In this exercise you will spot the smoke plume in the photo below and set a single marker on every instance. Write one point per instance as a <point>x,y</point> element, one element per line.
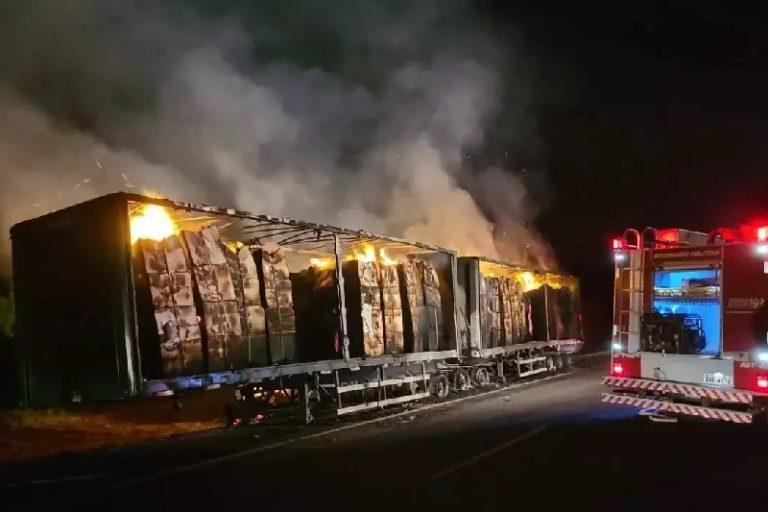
<point>364,119</point>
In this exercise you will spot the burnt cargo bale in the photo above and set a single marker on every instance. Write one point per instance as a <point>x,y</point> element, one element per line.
<point>255,330</point>
<point>315,303</point>
<point>171,341</point>
<point>278,300</point>
<point>490,312</point>
<point>415,327</point>
<point>394,342</point>
<point>225,347</point>
<point>365,320</point>
<point>433,302</point>
<point>513,312</point>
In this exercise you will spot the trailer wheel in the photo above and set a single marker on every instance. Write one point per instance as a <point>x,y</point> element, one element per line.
<point>461,380</point>
<point>440,386</point>
<point>482,377</point>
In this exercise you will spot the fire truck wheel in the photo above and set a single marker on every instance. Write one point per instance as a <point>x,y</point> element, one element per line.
<point>440,386</point>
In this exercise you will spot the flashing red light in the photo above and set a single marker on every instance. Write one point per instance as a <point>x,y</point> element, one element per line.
<point>762,234</point>
<point>617,244</point>
<point>618,369</point>
<point>762,382</point>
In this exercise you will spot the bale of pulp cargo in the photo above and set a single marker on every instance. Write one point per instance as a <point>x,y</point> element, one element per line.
<point>421,298</point>
<point>415,326</point>
<point>253,309</point>
<point>490,313</point>
<point>433,302</point>
<point>278,299</point>
<point>394,341</point>
<point>513,307</point>
<point>365,317</point>
<point>166,308</point>
<point>218,301</point>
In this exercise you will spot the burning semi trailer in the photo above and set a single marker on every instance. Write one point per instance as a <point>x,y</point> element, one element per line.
<point>127,295</point>
<point>525,321</point>
<point>154,296</point>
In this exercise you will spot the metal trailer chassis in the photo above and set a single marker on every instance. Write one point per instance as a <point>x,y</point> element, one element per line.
<point>525,359</point>
<point>352,385</point>
<point>365,384</point>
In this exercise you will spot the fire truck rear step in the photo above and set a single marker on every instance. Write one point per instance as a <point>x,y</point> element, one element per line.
<point>691,391</point>
<point>677,408</point>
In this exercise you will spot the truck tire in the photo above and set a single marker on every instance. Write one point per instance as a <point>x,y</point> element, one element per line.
<point>461,380</point>
<point>440,386</point>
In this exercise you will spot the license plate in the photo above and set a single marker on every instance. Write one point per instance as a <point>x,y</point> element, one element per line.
<point>718,379</point>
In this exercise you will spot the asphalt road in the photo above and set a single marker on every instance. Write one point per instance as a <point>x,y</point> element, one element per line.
<point>551,445</point>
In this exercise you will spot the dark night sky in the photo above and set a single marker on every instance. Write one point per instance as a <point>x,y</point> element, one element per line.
<point>666,124</point>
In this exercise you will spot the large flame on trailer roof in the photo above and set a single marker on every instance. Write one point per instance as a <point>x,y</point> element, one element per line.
<point>152,222</point>
<point>367,252</point>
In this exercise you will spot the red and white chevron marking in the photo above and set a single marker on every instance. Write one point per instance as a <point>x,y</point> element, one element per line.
<point>691,410</point>
<point>687,390</point>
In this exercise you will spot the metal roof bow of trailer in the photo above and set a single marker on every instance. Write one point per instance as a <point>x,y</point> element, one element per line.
<point>97,233</point>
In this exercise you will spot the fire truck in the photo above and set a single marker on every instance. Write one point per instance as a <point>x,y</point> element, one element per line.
<point>690,330</point>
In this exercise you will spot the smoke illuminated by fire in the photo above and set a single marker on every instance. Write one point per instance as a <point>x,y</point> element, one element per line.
<point>224,114</point>
<point>152,222</point>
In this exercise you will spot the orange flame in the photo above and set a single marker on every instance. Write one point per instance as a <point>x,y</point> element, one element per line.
<point>153,222</point>
<point>385,259</point>
<point>367,252</point>
<point>322,263</point>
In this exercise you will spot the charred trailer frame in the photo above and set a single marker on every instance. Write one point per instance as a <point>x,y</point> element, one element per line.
<point>230,298</point>
<point>519,321</point>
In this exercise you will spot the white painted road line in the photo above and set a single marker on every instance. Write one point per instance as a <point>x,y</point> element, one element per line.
<point>482,455</point>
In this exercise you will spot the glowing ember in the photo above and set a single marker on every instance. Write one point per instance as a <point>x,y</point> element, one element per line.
<point>152,222</point>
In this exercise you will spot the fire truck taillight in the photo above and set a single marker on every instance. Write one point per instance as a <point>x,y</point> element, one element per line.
<point>619,246</point>
<point>762,382</point>
<point>762,234</point>
<point>618,369</point>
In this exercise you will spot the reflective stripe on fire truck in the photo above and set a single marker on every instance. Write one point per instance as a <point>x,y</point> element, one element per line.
<point>671,407</point>
<point>688,390</point>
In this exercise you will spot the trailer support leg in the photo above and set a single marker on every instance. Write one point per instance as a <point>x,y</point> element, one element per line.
<point>305,401</point>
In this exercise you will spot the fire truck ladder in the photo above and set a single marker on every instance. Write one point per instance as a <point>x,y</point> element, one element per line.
<point>630,301</point>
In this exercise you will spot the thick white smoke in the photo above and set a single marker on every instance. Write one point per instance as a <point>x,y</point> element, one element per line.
<point>271,136</point>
